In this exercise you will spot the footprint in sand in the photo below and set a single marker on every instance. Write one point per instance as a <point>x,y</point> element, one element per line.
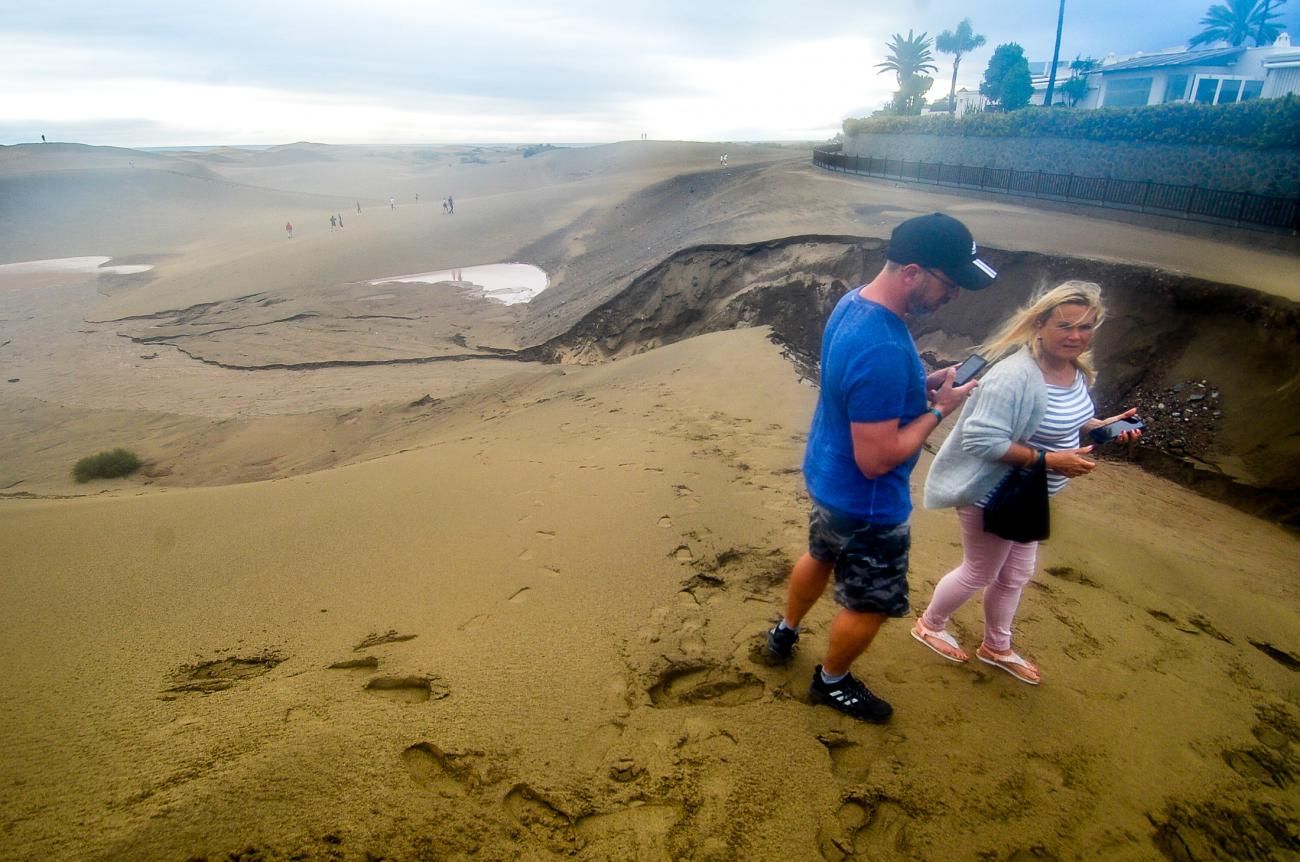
<point>639,831</point>
<point>687,496</point>
<point>408,689</point>
<point>526,555</point>
<point>367,663</point>
<point>665,521</point>
<point>429,768</point>
<point>849,760</point>
<point>375,639</point>
<point>545,534</point>
<point>1288,660</point>
<point>449,773</point>
<point>519,595</point>
<point>548,571</point>
<point>837,840</point>
<point>545,820</point>
<point>682,554</point>
<point>700,681</point>
<point>1074,576</point>
<point>1173,621</point>
<point>221,674</point>
<point>474,623</point>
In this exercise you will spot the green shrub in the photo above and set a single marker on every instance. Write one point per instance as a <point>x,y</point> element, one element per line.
<point>1261,124</point>
<point>106,465</point>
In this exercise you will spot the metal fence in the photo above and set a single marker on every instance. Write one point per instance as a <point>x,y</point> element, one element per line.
<point>1190,202</point>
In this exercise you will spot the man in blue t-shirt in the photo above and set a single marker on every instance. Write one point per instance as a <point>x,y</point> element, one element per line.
<point>875,411</point>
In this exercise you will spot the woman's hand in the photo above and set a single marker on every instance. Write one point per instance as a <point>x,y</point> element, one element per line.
<point>1125,437</point>
<point>1070,462</point>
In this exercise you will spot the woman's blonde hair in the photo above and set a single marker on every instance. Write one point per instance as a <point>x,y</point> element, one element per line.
<point>1021,330</point>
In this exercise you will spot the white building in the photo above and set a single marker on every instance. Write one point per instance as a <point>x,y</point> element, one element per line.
<point>1211,76</point>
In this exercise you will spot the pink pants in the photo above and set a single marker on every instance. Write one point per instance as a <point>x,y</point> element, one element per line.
<point>998,566</point>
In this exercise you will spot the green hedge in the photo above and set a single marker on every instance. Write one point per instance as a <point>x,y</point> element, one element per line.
<point>1262,124</point>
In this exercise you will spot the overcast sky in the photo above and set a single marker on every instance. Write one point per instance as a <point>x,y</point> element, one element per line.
<point>382,71</point>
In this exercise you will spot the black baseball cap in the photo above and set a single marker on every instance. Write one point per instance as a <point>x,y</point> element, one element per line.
<point>941,242</point>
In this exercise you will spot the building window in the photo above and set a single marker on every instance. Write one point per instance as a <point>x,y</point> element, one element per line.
<point>1176,88</point>
<point>1225,91</point>
<point>1128,91</point>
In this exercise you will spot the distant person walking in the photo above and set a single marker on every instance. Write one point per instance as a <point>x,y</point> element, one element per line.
<point>340,221</point>
<point>444,206</point>
<point>358,206</point>
<point>417,197</point>
<point>288,229</point>
<point>42,139</point>
<point>451,206</point>
<point>392,203</point>
<point>333,222</point>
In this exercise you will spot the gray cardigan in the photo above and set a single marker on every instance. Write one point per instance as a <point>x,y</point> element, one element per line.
<point>1006,407</point>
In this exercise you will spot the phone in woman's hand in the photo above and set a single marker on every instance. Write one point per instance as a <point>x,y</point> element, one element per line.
<point>1107,433</point>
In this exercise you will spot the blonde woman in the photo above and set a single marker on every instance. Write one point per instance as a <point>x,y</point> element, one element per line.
<point>1031,405</point>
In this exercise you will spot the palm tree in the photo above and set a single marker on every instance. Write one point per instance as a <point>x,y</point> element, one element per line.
<point>963,41</point>
<point>908,58</point>
<point>1238,21</point>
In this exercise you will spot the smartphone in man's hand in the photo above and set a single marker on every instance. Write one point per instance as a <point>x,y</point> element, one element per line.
<point>969,367</point>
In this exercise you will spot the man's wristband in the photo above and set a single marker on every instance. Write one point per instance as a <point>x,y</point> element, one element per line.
<point>938,414</point>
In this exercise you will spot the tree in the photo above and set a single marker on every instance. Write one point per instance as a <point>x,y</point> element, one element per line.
<point>907,59</point>
<point>1006,80</point>
<point>1077,87</point>
<point>910,98</point>
<point>1238,21</point>
<point>961,41</point>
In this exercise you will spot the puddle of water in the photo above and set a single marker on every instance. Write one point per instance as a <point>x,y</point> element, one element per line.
<point>507,283</point>
<point>71,264</point>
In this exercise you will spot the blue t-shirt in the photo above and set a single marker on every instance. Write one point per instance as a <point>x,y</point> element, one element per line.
<point>870,372</point>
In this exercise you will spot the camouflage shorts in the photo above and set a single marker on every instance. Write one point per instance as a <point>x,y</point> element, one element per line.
<point>870,560</point>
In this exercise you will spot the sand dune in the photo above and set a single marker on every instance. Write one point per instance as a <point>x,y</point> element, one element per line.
<point>493,607</point>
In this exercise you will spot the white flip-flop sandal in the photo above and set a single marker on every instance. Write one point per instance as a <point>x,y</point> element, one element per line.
<point>1009,663</point>
<point>921,633</point>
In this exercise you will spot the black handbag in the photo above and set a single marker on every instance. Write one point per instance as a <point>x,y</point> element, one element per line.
<point>1018,509</point>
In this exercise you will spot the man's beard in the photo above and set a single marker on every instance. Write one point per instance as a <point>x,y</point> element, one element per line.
<point>917,308</point>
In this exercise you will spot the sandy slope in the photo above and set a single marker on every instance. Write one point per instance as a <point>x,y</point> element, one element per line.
<point>584,611</point>
<point>561,572</point>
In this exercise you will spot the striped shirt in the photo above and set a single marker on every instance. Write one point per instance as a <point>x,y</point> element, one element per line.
<point>1068,407</point>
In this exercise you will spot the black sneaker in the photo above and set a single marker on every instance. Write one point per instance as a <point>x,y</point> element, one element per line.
<point>850,697</point>
<point>780,642</point>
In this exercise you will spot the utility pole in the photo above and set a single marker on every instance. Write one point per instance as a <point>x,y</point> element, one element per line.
<point>1056,54</point>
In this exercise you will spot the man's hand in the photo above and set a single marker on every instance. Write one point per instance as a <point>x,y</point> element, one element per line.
<point>945,396</point>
